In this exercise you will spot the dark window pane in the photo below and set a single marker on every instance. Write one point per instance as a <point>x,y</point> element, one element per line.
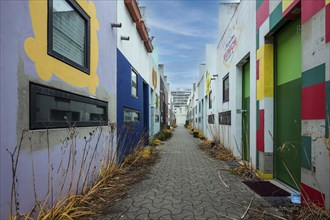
<point>225,118</point>
<point>225,89</point>
<point>134,84</point>
<point>54,108</point>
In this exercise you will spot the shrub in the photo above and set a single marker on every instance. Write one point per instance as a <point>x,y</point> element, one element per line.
<point>163,135</point>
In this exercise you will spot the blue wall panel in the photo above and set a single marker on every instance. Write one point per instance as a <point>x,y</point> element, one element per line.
<point>128,137</point>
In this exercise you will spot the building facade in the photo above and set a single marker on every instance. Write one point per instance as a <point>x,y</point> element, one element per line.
<point>180,98</point>
<point>133,76</point>
<point>164,91</point>
<point>75,77</point>
<point>58,89</point>
<point>267,91</point>
<point>293,70</point>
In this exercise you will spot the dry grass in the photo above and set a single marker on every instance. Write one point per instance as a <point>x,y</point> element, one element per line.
<point>218,152</point>
<point>223,153</point>
<point>155,142</point>
<point>312,211</point>
<point>95,188</point>
<point>309,209</point>
<point>112,185</point>
<point>201,135</point>
<point>245,171</point>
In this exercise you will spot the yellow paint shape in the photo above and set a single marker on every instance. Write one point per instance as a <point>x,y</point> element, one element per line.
<point>208,83</point>
<point>286,4</point>
<point>265,83</point>
<point>46,66</point>
<point>154,78</point>
<point>264,176</point>
<point>327,2</point>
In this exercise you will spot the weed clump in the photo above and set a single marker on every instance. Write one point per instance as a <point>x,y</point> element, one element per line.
<point>163,135</point>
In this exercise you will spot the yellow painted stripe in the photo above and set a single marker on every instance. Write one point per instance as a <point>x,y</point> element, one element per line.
<point>265,84</point>
<point>264,176</point>
<point>286,4</point>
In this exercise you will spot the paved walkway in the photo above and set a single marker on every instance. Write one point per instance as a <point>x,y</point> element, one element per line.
<point>185,184</point>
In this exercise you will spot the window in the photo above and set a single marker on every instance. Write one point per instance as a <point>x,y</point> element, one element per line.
<point>210,100</point>
<point>225,118</point>
<point>211,119</point>
<point>156,118</point>
<point>52,108</point>
<point>131,115</point>
<point>134,87</point>
<point>69,33</point>
<point>156,101</point>
<point>225,91</point>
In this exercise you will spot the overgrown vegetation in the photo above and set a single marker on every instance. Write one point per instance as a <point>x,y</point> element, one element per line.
<point>90,183</point>
<point>163,135</point>
<point>216,148</point>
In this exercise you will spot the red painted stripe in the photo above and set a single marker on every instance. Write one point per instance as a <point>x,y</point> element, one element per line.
<point>310,8</point>
<point>257,69</point>
<point>262,13</point>
<point>260,132</point>
<point>327,23</point>
<point>287,11</point>
<point>313,102</point>
<point>311,195</point>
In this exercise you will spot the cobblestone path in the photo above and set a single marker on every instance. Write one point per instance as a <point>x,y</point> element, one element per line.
<point>185,184</point>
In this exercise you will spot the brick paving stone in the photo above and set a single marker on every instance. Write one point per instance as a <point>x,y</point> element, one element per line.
<point>185,184</point>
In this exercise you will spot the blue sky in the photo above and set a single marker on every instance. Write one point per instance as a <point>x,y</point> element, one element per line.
<point>181,29</point>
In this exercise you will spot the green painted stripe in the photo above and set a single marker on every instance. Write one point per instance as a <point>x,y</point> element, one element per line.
<point>257,38</point>
<point>275,16</point>
<point>289,54</point>
<point>306,152</point>
<point>259,2</point>
<point>246,78</point>
<point>258,106</point>
<point>257,166</point>
<point>313,76</point>
<point>327,99</point>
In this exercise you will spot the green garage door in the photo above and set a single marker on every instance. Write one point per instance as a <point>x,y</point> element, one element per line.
<point>288,104</point>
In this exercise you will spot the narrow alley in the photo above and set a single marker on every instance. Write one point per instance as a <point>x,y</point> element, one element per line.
<point>164,109</point>
<point>185,184</point>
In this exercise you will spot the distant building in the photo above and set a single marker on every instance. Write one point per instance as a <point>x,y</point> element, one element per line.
<point>180,97</point>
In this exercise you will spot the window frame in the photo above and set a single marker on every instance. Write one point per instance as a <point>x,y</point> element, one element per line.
<point>137,86</point>
<point>224,97</point>
<point>56,55</point>
<point>57,93</point>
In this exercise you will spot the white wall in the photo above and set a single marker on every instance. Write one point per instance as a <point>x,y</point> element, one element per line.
<point>154,127</point>
<point>242,28</point>
<point>134,49</point>
<point>211,68</point>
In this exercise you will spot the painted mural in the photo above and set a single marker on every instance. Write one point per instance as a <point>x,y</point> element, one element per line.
<point>46,65</point>
<point>230,44</point>
<point>208,83</point>
<point>296,95</point>
<point>154,78</point>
